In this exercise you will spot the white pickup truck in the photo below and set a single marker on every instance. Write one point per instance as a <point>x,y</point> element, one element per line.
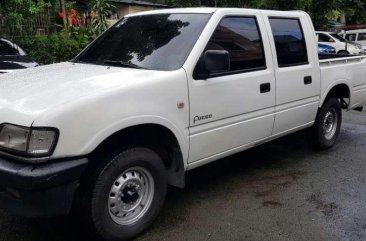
<point>158,94</point>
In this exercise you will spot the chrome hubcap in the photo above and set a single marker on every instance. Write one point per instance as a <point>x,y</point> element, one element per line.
<point>330,124</point>
<point>131,195</point>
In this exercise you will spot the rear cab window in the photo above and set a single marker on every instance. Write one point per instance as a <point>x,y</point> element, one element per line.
<point>289,41</point>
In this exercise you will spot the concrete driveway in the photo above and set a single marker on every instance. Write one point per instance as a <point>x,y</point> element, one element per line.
<point>283,190</point>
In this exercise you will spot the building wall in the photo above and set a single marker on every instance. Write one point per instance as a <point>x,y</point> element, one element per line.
<point>135,8</point>
<point>123,10</point>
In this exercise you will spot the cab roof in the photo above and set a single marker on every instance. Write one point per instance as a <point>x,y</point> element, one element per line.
<point>206,10</point>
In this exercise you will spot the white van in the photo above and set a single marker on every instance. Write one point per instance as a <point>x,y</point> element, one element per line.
<point>357,36</point>
<point>341,45</point>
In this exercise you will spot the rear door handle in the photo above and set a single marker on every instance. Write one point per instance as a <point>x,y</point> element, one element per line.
<point>266,87</point>
<point>308,80</point>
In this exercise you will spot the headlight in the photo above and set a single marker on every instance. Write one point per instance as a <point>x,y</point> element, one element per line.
<point>37,142</point>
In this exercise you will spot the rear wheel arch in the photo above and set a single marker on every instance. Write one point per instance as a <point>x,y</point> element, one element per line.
<point>340,91</point>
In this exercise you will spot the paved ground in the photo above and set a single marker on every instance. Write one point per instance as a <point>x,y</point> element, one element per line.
<point>283,190</point>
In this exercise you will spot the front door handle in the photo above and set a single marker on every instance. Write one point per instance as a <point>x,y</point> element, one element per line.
<point>266,87</point>
<point>308,80</point>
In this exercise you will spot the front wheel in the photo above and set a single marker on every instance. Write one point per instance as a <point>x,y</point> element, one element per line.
<point>327,126</point>
<point>127,194</point>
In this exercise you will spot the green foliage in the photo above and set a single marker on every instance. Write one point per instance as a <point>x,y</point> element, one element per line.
<point>183,3</point>
<point>52,48</point>
<point>18,12</point>
<point>241,3</point>
<point>288,4</point>
<point>321,10</point>
<point>69,42</point>
<point>83,35</point>
<point>38,6</point>
<point>270,4</point>
<point>102,9</point>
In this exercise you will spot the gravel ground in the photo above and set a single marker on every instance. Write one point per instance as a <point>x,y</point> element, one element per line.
<point>283,190</point>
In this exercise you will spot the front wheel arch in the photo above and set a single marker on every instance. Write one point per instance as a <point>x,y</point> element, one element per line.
<point>156,137</point>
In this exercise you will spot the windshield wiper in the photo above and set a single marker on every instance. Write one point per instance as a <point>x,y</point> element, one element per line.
<point>122,64</point>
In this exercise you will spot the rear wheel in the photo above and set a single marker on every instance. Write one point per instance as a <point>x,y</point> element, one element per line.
<point>327,126</point>
<point>127,194</point>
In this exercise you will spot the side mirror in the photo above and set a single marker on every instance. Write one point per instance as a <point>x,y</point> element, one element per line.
<point>216,61</point>
<point>331,40</point>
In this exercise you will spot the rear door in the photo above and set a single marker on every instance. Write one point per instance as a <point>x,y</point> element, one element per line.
<point>297,71</point>
<point>234,108</point>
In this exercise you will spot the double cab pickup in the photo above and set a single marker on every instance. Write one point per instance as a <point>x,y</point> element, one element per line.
<point>158,94</point>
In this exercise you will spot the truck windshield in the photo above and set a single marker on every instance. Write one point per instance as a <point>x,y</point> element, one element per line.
<point>156,42</point>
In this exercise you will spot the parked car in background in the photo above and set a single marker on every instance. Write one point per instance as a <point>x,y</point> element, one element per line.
<point>341,45</point>
<point>13,57</point>
<point>326,49</point>
<point>358,36</point>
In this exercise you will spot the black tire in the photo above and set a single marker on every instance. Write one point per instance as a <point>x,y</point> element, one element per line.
<point>97,214</point>
<point>343,52</point>
<point>323,137</point>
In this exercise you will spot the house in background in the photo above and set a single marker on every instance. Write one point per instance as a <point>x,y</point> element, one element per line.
<point>124,7</point>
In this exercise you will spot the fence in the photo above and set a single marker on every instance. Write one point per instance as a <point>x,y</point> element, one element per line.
<point>41,23</point>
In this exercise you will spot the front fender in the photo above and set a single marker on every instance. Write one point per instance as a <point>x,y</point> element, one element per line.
<point>103,134</point>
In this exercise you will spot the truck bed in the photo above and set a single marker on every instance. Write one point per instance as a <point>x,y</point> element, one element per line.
<point>344,69</point>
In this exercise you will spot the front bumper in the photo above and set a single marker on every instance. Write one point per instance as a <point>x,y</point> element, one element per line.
<point>39,190</point>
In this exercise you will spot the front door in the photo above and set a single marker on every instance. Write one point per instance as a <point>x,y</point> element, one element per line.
<point>233,108</point>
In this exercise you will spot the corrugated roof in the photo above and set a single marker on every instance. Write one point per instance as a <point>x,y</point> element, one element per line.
<point>140,3</point>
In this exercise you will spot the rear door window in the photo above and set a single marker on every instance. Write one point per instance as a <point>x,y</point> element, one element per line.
<point>289,41</point>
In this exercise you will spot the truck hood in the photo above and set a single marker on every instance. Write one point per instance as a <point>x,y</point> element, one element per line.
<point>26,94</point>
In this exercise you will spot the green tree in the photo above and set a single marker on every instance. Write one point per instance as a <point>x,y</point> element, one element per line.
<point>183,3</point>
<point>102,9</point>
<point>17,13</point>
<point>354,11</point>
<point>288,4</point>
